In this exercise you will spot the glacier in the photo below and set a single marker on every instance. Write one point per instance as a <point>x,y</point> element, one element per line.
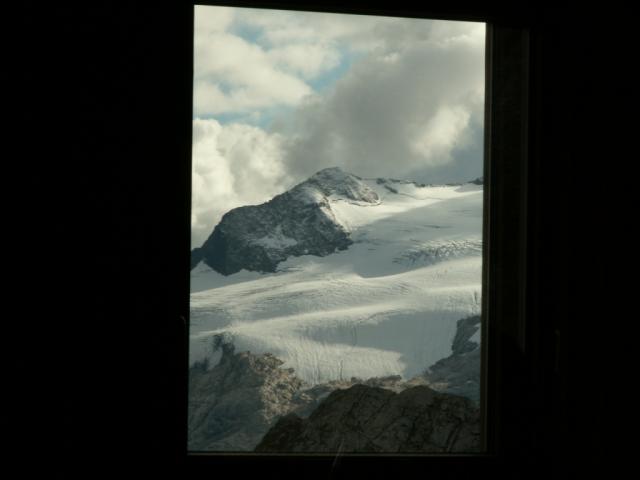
<point>386,305</point>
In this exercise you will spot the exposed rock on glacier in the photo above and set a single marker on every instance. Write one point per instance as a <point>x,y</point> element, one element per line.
<point>459,373</point>
<point>297,222</point>
<point>465,332</point>
<point>372,419</point>
<point>232,405</point>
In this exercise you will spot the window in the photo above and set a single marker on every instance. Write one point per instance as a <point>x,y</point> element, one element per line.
<point>358,274</point>
<point>126,71</point>
<point>504,331</point>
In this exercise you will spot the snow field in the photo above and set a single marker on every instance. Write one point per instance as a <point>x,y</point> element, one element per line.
<point>387,305</point>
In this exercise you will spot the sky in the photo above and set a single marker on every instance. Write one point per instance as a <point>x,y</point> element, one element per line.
<point>280,95</point>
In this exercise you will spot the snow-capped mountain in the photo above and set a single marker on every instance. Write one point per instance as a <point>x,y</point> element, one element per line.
<point>298,222</point>
<point>342,276</point>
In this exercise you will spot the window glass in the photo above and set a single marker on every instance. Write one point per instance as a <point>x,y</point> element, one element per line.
<point>337,210</point>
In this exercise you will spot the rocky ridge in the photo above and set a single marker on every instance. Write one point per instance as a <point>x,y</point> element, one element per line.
<point>297,222</point>
<point>369,419</point>
<point>436,412</point>
<point>233,405</point>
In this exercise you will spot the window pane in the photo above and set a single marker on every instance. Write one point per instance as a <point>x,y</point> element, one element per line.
<point>336,233</point>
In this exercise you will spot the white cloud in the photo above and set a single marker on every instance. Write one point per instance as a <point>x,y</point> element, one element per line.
<point>233,75</point>
<point>307,60</point>
<point>208,20</point>
<point>410,106</point>
<point>436,138</point>
<point>404,109</point>
<point>353,32</point>
<point>281,27</point>
<point>233,165</point>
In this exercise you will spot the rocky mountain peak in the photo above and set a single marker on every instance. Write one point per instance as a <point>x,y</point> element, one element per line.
<point>297,222</point>
<point>336,182</point>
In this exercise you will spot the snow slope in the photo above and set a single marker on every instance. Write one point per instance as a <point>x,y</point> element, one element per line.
<point>387,305</point>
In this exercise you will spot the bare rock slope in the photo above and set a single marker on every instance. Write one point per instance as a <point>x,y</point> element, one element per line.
<point>233,404</point>
<point>459,373</point>
<point>249,400</point>
<point>371,419</point>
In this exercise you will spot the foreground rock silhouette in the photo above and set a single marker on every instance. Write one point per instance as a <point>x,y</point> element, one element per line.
<point>371,419</point>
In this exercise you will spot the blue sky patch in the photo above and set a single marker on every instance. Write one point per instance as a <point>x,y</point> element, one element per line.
<point>248,32</point>
<point>325,81</point>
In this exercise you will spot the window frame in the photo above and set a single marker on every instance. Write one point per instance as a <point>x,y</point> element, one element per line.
<point>506,344</point>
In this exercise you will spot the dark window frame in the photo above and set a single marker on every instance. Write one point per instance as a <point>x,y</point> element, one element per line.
<point>111,165</point>
<point>506,345</point>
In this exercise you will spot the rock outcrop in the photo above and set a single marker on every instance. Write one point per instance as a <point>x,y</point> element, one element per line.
<point>309,398</point>
<point>297,222</point>
<point>249,400</point>
<point>372,419</point>
<point>459,373</point>
<point>233,404</point>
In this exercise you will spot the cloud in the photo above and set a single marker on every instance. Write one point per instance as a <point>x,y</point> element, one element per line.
<point>408,108</point>
<point>248,59</point>
<point>306,60</point>
<point>233,75</point>
<point>437,138</point>
<point>208,20</point>
<point>411,105</point>
<point>233,165</point>
<point>278,27</point>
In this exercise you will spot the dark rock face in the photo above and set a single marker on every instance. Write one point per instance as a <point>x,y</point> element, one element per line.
<point>196,256</point>
<point>232,405</point>
<point>309,398</point>
<point>388,182</point>
<point>465,329</point>
<point>459,373</point>
<point>371,419</point>
<point>297,222</point>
